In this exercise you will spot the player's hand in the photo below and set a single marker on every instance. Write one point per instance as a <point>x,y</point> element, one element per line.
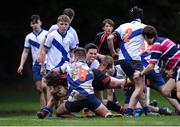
<point>19,71</point>
<point>41,115</point>
<point>43,70</point>
<point>169,73</point>
<point>56,69</point>
<point>44,112</point>
<point>39,58</point>
<point>137,74</point>
<point>115,56</point>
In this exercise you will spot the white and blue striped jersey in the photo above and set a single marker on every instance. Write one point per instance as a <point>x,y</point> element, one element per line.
<point>32,41</point>
<point>130,40</point>
<point>94,65</point>
<point>70,30</point>
<point>79,77</point>
<point>58,46</point>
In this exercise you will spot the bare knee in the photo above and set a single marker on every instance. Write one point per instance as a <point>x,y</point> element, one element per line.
<point>39,88</point>
<point>138,91</point>
<point>61,110</point>
<point>103,111</point>
<point>166,92</point>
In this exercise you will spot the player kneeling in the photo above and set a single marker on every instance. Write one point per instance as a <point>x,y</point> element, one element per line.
<point>58,88</point>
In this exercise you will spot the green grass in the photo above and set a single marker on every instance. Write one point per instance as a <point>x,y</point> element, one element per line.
<point>121,121</point>
<point>19,108</point>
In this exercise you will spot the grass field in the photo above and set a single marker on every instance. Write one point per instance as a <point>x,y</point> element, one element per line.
<point>18,109</point>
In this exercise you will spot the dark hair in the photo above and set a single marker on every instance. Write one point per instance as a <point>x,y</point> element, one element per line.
<point>34,18</point>
<point>149,32</point>
<point>136,13</point>
<point>109,21</point>
<point>90,46</point>
<point>69,12</point>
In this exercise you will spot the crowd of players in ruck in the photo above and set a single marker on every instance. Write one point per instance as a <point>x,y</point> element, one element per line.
<point>71,79</point>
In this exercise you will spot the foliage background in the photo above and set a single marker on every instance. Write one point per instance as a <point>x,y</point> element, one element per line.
<point>15,16</point>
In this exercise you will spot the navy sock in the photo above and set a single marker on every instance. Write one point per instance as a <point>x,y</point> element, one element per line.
<point>174,95</point>
<point>146,110</point>
<point>114,97</point>
<point>138,112</point>
<point>128,111</point>
<point>114,107</point>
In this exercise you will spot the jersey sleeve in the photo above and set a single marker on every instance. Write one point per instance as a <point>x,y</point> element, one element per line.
<point>76,38</point>
<point>48,41</point>
<point>73,44</point>
<point>52,28</point>
<point>101,80</point>
<point>26,42</point>
<point>117,36</point>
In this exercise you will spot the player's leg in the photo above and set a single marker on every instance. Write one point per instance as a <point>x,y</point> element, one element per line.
<point>96,105</point>
<point>129,68</point>
<point>168,87</point>
<point>136,96</point>
<point>102,111</point>
<point>41,94</point>
<point>37,77</point>
<point>109,93</point>
<point>62,111</point>
<point>177,78</point>
<point>46,90</point>
<point>111,105</point>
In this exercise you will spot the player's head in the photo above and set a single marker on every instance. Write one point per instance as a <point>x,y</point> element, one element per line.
<point>69,12</point>
<point>109,21</point>
<point>90,46</point>
<point>136,13</point>
<point>149,33</point>
<point>63,22</point>
<point>63,18</point>
<point>35,18</point>
<point>91,52</point>
<point>79,54</point>
<point>35,22</point>
<point>108,64</point>
<point>108,25</point>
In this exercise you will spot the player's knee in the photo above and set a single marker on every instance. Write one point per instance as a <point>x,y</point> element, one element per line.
<point>103,111</point>
<point>105,102</point>
<point>44,88</point>
<point>39,89</point>
<point>61,110</point>
<point>166,92</point>
<point>138,91</point>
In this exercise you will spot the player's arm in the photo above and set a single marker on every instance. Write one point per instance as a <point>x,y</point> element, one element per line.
<point>117,83</point>
<point>23,60</point>
<point>149,68</point>
<point>100,56</point>
<point>155,56</point>
<point>43,54</point>
<point>40,56</point>
<point>110,39</point>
